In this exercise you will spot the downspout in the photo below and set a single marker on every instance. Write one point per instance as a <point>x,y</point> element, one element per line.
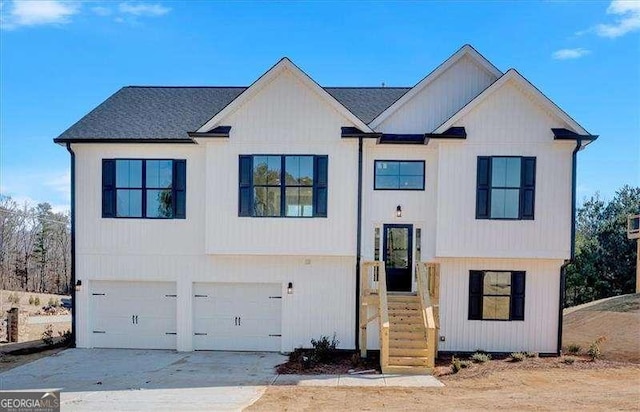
<point>563,268</point>
<point>73,246</point>
<point>358,243</point>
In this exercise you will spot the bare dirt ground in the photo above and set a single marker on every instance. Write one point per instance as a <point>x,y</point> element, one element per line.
<point>534,384</point>
<point>570,387</point>
<point>617,319</point>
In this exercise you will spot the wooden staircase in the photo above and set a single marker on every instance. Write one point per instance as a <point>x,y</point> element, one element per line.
<point>408,323</point>
<point>408,351</point>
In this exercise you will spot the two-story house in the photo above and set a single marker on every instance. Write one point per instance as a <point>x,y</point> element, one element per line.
<point>239,218</point>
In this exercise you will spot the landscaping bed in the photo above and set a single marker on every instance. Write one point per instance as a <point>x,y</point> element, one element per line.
<point>301,361</point>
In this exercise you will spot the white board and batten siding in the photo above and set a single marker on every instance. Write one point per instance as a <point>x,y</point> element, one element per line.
<point>439,99</point>
<point>538,331</point>
<point>508,123</point>
<point>284,117</point>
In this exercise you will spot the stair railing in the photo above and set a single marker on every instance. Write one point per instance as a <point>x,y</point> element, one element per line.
<point>428,276</point>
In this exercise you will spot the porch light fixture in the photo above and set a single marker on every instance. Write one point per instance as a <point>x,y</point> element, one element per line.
<point>290,288</point>
<point>78,285</point>
<point>399,211</point>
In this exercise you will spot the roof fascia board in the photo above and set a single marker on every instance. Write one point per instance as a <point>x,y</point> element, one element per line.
<point>266,78</point>
<point>121,140</point>
<point>444,66</point>
<point>512,74</point>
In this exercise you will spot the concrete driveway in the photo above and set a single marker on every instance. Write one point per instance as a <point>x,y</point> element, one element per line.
<point>123,379</point>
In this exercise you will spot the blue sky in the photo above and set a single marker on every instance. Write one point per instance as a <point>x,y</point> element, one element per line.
<point>58,60</point>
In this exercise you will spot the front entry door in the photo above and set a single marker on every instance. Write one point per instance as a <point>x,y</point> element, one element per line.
<point>397,246</point>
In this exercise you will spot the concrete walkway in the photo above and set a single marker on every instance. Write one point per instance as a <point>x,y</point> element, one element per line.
<point>124,379</point>
<point>422,381</point>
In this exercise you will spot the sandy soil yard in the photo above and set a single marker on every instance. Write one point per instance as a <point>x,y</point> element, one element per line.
<point>535,384</point>
<point>571,388</point>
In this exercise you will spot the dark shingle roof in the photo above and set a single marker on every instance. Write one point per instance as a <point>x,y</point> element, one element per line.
<point>168,113</point>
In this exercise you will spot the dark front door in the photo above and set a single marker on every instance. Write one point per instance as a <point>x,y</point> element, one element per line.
<point>397,246</point>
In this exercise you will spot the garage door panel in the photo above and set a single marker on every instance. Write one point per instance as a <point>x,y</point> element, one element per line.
<point>237,316</point>
<point>133,314</point>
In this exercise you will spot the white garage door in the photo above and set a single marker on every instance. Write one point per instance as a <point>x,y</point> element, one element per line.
<point>133,314</point>
<point>237,316</point>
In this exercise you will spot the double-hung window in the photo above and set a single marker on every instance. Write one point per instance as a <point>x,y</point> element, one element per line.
<point>398,175</point>
<point>144,188</point>
<point>283,186</point>
<point>505,187</point>
<point>496,295</point>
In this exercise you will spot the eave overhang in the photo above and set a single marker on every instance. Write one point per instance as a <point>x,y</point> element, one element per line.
<point>355,133</point>
<point>219,132</point>
<point>566,134</point>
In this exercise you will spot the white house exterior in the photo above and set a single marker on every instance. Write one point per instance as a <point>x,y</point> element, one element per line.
<point>472,168</point>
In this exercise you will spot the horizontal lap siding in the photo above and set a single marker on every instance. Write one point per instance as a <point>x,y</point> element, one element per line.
<point>538,332</point>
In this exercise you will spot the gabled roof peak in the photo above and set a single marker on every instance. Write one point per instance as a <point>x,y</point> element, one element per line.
<point>465,50</point>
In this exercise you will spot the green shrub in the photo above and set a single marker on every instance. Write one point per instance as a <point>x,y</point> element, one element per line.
<point>594,350</point>
<point>47,335</point>
<point>323,348</point>
<point>66,337</point>
<point>574,349</point>
<point>30,300</point>
<point>569,360</point>
<point>457,364</point>
<point>13,298</point>
<point>480,357</point>
<point>36,301</point>
<point>531,354</point>
<point>518,356</point>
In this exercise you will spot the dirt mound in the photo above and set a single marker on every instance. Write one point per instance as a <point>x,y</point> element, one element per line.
<point>618,319</point>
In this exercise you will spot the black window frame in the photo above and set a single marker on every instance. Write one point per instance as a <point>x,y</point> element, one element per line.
<point>375,174</point>
<point>110,190</point>
<point>517,295</point>
<point>527,187</point>
<point>319,188</point>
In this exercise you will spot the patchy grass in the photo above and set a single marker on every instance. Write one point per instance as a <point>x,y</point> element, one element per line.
<point>623,304</point>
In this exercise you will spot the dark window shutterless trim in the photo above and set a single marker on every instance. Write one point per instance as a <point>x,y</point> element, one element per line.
<point>375,174</point>
<point>516,295</point>
<point>319,187</point>
<point>110,189</point>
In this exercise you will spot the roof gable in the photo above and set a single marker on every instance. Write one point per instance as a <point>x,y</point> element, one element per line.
<point>465,50</point>
<point>283,65</point>
<point>526,86</point>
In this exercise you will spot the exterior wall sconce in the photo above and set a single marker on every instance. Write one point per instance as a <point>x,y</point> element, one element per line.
<point>399,211</point>
<point>78,286</point>
<point>290,288</point>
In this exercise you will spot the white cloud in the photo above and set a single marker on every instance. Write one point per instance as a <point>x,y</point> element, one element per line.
<point>143,9</point>
<point>627,14</point>
<point>36,13</point>
<point>566,54</point>
<point>101,11</point>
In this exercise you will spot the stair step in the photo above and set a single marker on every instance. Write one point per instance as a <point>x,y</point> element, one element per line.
<point>408,361</point>
<point>407,343</point>
<point>407,327</point>
<point>407,370</point>
<point>410,352</point>
<point>407,335</point>
<point>417,320</point>
<point>405,299</point>
<point>405,311</point>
